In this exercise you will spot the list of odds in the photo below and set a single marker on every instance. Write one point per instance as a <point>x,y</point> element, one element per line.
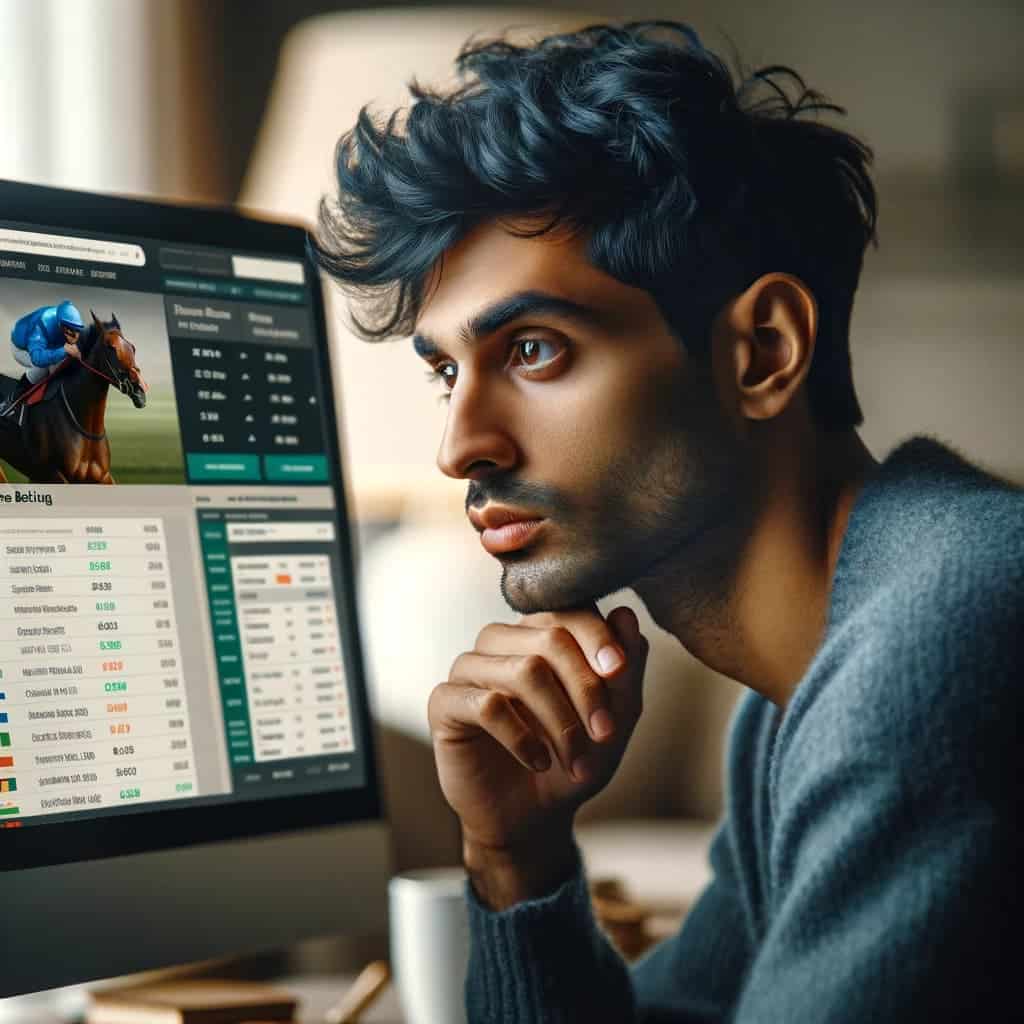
<point>291,648</point>
<point>92,704</point>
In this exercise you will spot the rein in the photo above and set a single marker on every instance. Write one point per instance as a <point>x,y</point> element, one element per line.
<point>78,426</point>
<point>100,373</point>
<point>88,435</point>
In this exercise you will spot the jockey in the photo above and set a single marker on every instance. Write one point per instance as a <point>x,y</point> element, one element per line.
<point>40,340</point>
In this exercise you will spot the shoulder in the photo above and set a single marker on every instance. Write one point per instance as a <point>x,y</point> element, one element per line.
<point>43,319</point>
<point>926,674</point>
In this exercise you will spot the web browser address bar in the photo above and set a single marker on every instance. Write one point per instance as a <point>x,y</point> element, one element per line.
<point>96,250</point>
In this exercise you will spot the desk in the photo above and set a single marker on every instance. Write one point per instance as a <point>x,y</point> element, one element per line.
<point>318,992</point>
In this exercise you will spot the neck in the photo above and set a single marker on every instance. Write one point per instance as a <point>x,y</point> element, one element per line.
<point>87,394</point>
<point>756,608</point>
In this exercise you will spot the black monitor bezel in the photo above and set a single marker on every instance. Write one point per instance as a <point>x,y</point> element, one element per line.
<point>41,845</point>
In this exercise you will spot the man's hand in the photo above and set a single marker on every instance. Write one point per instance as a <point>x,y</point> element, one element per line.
<point>528,726</point>
<point>71,349</point>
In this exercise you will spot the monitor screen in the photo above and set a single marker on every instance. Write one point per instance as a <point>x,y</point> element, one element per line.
<point>179,655</point>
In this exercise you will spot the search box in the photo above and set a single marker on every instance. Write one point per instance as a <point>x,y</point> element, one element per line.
<point>260,533</point>
<point>95,250</point>
<point>268,270</point>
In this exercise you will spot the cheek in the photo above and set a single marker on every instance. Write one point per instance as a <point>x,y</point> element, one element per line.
<point>578,434</point>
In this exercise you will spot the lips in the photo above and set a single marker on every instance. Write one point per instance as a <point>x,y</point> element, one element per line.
<point>503,528</point>
<point>511,536</point>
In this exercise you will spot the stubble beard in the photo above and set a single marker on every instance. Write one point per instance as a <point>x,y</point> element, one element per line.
<point>642,526</point>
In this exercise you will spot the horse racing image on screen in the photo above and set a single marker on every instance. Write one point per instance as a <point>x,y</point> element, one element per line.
<point>86,388</point>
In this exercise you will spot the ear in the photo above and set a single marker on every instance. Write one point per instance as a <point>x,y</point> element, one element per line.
<point>113,320</point>
<point>763,345</point>
<point>96,320</point>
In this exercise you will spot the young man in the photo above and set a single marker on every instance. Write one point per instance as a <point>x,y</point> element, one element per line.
<point>656,393</point>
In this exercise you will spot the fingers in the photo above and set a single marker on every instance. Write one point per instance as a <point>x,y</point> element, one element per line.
<point>563,645</point>
<point>540,684</point>
<point>539,699</point>
<point>456,707</point>
<point>595,637</point>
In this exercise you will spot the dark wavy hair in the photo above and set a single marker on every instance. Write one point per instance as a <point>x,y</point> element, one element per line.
<point>687,185</point>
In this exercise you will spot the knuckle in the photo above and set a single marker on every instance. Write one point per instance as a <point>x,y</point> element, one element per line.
<point>481,637</point>
<point>591,690</point>
<point>532,670</point>
<point>558,639</point>
<point>493,707</point>
<point>458,664</point>
<point>437,697</point>
<point>435,705</point>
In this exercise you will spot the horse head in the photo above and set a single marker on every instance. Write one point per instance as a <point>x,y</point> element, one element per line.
<point>114,356</point>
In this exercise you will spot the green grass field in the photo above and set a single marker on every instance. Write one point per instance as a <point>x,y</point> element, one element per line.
<point>145,446</point>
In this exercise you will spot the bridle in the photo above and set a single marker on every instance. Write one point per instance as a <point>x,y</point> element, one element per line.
<point>121,383</point>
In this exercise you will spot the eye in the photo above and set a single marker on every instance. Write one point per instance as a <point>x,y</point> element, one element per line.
<point>532,349</point>
<point>441,373</point>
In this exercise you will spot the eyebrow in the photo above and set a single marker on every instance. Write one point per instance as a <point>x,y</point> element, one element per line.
<point>513,307</point>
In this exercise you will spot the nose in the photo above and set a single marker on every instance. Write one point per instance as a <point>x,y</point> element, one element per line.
<point>476,433</point>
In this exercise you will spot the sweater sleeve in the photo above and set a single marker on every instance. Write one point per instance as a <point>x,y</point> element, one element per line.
<point>39,351</point>
<point>546,962</point>
<point>896,853</point>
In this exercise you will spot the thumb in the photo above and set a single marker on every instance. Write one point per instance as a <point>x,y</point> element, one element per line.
<point>626,627</point>
<point>626,688</point>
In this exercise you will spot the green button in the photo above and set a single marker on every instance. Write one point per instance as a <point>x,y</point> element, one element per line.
<point>295,467</point>
<point>187,284</point>
<point>223,467</point>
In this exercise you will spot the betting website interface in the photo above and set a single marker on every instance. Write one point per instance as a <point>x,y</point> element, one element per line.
<point>170,586</point>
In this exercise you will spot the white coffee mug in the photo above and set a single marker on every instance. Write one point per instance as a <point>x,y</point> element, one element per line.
<point>430,944</point>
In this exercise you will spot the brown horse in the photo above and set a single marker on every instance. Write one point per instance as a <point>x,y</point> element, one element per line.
<point>62,439</point>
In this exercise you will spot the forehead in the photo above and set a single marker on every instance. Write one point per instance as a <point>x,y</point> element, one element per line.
<point>490,264</point>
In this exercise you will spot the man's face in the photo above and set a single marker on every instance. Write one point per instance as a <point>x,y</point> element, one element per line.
<point>70,335</point>
<point>605,428</point>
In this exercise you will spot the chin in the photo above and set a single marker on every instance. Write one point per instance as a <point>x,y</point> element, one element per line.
<point>553,585</point>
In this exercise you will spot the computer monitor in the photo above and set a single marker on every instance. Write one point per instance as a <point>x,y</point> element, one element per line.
<point>186,758</point>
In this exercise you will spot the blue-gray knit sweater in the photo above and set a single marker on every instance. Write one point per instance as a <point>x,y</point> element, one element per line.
<point>869,864</point>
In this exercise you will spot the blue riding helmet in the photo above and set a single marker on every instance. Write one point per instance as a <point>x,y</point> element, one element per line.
<point>68,316</point>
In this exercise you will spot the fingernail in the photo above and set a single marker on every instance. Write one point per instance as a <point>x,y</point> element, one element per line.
<point>601,724</point>
<point>609,658</point>
<point>579,769</point>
